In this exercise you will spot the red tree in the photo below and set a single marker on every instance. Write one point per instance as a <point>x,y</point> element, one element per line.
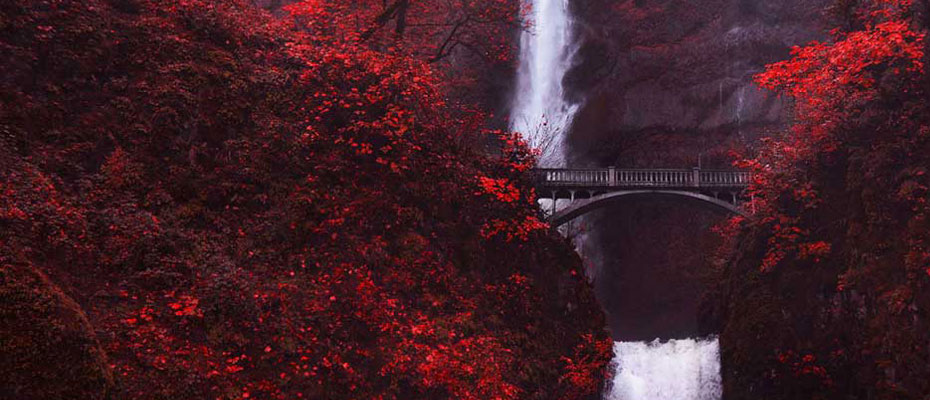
<point>244,208</point>
<point>835,268</point>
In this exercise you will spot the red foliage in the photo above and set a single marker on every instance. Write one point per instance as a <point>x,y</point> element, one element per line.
<point>465,38</point>
<point>834,264</point>
<point>832,84</point>
<point>250,208</point>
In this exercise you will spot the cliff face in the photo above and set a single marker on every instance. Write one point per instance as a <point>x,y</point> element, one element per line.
<point>651,265</point>
<point>825,295</point>
<point>663,83</point>
<point>665,80</point>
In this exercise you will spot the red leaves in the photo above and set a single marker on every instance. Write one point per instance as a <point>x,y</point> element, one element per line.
<point>815,250</point>
<point>477,32</point>
<point>832,82</point>
<point>841,225</point>
<point>501,189</point>
<point>283,211</point>
<point>805,367</point>
<point>186,306</point>
<point>513,229</point>
<point>889,44</point>
<point>586,371</point>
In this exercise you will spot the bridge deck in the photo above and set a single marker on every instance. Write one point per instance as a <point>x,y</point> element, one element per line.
<point>611,179</point>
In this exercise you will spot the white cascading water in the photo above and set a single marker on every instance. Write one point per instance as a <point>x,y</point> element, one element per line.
<point>540,110</point>
<point>685,369</point>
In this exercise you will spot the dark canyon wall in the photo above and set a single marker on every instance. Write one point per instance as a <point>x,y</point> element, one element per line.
<point>663,83</point>
<point>664,80</point>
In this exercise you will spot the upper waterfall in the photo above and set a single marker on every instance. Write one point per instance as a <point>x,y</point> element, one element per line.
<point>540,110</point>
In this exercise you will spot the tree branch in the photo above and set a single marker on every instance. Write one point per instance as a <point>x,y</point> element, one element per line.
<point>384,17</point>
<point>442,52</point>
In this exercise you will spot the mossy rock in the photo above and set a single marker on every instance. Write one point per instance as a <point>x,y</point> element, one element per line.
<point>47,347</point>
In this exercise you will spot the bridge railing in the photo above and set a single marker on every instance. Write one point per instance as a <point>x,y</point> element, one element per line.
<point>582,177</point>
<point>614,177</point>
<point>725,178</point>
<point>653,177</point>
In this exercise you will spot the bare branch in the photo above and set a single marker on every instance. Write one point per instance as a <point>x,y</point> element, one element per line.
<point>442,52</point>
<point>384,17</point>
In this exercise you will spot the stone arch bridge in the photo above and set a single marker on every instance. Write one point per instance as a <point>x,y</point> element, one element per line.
<point>592,188</point>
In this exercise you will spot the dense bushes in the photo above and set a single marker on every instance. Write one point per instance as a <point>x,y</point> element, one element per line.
<point>827,293</point>
<point>247,209</point>
<point>49,349</point>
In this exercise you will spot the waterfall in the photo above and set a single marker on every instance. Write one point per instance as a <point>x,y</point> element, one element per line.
<point>687,369</point>
<point>540,111</point>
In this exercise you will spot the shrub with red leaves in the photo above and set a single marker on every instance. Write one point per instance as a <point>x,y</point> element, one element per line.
<point>251,207</point>
<point>836,264</point>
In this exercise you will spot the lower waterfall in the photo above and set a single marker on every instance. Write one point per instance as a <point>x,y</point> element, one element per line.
<point>683,369</point>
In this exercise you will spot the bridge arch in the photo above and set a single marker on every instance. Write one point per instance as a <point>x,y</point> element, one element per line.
<point>583,206</point>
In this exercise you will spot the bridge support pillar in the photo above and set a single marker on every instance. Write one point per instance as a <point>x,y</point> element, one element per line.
<point>554,200</point>
<point>696,176</point>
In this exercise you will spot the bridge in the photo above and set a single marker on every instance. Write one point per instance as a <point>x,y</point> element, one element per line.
<point>592,188</point>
